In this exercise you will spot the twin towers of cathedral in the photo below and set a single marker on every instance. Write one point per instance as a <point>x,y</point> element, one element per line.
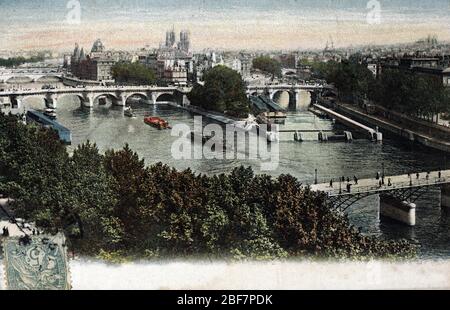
<point>184,44</point>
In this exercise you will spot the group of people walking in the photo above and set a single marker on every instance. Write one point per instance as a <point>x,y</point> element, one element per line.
<point>349,185</point>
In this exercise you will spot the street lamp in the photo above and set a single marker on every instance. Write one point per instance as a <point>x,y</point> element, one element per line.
<point>315,176</point>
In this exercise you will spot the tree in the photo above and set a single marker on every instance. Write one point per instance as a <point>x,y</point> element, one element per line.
<point>113,205</point>
<point>223,91</point>
<point>413,94</point>
<point>268,65</point>
<point>133,73</point>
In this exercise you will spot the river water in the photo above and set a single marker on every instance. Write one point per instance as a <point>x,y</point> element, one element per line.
<point>109,128</point>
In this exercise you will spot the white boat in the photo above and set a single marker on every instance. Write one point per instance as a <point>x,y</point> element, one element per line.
<point>128,112</point>
<point>50,113</point>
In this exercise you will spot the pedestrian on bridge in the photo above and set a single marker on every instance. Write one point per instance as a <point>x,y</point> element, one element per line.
<point>331,183</point>
<point>349,187</point>
<point>417,175</point>
<point>348,180</point>
<point>355,179</point>
<point>378,175</point>
<point>439,174</point>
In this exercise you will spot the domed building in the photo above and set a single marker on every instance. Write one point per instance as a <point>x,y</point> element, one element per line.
<point>98,47</point>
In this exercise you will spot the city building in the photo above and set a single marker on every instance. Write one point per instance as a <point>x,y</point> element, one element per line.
<point>172,62</point>
<point>95,66</point>
<point>437,67</point>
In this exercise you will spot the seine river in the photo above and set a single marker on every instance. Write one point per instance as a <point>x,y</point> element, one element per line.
<point>110,129</point>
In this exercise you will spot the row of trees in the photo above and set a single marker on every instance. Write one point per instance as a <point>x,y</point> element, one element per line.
<point>17,61</point>
<point>350,78</point>
<point>223,91</point>
<point>268,65</point>
<point>113,205</point>
<point>416,95</point>
<point>133,74</point>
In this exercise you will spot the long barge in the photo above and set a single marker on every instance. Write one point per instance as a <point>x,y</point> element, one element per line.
<point>40,118</point>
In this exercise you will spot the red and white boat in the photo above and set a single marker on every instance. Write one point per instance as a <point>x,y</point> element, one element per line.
<point>157,122</point>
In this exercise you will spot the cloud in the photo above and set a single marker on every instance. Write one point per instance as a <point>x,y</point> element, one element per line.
<point>253,25</point>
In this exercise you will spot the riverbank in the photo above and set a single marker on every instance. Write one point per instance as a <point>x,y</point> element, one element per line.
<point>386,124</point>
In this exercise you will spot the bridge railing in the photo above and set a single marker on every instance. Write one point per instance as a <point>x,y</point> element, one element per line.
<point>355,189</point>
<point>8,92</point>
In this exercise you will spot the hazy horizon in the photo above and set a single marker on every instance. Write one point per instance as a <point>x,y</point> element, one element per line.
<point>232,24</point>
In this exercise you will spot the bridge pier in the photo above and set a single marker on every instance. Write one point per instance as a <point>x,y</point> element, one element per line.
<point>51,101</point>
<point>121,101</point>
<point>398,210</point>
<point>445,196</point>
<point>88,102</point>
<point>154,97</point>
<point>16,104</point>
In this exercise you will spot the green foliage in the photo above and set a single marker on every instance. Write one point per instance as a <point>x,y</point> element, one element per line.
<point>350,78</point>
<point>112,206</point>
<point>133,74</point>
<point>412,94</point>
<point>268,65</point>
<point>224,91</point>
<point>16,61</point>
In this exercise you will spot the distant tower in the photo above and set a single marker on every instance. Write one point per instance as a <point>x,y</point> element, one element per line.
<point>76,54</point>
<point>82,55</point>
<point>184,43</point>
<point>170,38</point>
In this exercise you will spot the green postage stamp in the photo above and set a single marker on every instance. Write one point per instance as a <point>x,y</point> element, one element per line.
<point>36,263</point>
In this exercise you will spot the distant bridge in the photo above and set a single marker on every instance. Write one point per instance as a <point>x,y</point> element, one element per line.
<point>398,194</point>
<point>274,91</point>
<point>30,75</point>
<point>90,95</point>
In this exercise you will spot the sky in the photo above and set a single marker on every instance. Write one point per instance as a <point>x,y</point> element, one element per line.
<point>224,24</point>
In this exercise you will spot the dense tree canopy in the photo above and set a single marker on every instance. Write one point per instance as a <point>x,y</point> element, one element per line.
<point>223,91</point>
<point>133,73</point>
<point>407,92</point>
<point>350,78</point>
<point>113,205</point>
<point>268,65</point>
<point>16,61</point>
<point>413,94</point>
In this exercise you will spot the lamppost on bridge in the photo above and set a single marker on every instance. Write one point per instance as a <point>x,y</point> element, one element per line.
<point>315,176</point>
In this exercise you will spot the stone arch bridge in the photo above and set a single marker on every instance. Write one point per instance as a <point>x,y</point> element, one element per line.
<point>273,91</point>
<point>30,75</point>
<point>89,95</point>
<point>30,78</point>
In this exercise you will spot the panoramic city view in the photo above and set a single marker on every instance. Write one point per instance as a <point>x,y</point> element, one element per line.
<point>190,142</point>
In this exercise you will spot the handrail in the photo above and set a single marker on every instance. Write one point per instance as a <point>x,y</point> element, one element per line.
<point>384,188</point>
